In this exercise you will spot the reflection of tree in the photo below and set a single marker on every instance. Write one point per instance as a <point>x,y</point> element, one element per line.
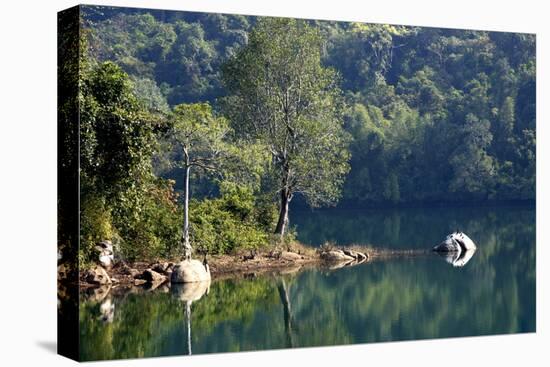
<point>287,310</point>
<point>188,293</point>
<point>188,319</point>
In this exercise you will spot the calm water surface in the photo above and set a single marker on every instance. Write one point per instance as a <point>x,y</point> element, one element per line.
<point>400,299</point>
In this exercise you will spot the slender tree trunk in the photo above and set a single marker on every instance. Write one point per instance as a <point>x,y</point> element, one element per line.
<point>282,223</point>
<point>186,244</point>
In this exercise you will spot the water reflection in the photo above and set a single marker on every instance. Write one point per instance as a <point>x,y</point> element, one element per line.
<point>101,296</point>
<point>188,293</point>
<point>401,299</point>
<point>287,310</point>
<point>457,259</point>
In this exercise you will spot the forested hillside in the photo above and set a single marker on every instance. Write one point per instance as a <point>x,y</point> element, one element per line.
<point>435,115</point>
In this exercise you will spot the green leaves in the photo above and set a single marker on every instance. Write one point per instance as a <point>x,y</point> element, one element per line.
<point>282,96</point>
<point>196,138</point>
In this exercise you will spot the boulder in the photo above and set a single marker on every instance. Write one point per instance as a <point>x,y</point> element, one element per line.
<point>105,253</point>
<point>455,242</point>
<point>106,260</point>
<point>190,271</point>
<point>335,255</point>
<point>151,276</point>
<point>359,256</point>
<point>291,256</point>
<point>97,275</point>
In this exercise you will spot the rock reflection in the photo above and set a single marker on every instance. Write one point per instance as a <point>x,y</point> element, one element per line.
<point>107,310</point>
<point>188,293</point>
<point>458,259</point>
<point>284,295</point>
<point>102,296</point>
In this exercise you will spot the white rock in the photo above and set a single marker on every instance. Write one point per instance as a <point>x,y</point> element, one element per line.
<point>457,241</point>
<point>105,253</point>
<point>190,271</point>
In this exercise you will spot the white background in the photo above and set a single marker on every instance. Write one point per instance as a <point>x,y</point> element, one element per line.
<point>28,181</point>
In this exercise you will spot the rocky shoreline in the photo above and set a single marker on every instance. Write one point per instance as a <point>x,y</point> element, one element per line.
<point>223,266</point>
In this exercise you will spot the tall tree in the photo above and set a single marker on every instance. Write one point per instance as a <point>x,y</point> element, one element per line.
<point>196,139</point>
<point>282,95</point>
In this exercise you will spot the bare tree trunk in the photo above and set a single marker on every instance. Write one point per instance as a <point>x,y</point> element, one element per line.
<point>282,223</point>
<point>186,244</point>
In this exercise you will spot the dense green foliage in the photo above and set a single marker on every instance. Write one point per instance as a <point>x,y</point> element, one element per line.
<point>426,115</point>
<point>435,114</point>
<point>121,199</point>
<point>438,115</point>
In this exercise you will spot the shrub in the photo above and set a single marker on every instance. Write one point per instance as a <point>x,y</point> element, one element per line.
<point>229,223</point>
<point>151,227</point>
<point>95,226</point>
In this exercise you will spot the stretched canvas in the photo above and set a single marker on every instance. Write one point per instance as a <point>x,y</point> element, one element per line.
<point>234,183</point>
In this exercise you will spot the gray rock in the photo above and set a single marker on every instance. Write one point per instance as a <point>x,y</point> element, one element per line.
<point>151,276</point>
<point>336,255</point>
<point>291,256</point>
<point>190,271</point>
<point>97,275</point>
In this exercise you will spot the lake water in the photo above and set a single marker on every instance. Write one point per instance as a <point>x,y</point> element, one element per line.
<point>399,299</point>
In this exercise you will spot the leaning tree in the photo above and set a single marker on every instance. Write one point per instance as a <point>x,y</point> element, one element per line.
<point>280,94</point>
